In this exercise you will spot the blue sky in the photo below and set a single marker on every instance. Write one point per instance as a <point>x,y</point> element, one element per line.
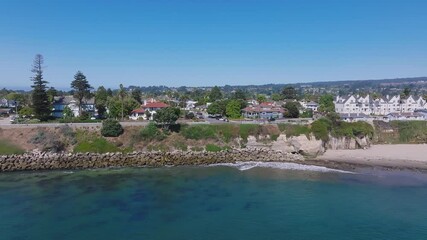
<point>203,43</point>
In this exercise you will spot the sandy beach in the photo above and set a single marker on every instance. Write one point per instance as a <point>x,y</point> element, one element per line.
<point>396,156</point>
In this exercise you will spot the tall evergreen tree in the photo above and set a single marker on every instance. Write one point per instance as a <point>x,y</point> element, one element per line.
<point>137,95</point>
<point>39,97</point>
<point>215,94</point>
<point>122,95</point>
<point>289,93</point>
<point>81,89</point>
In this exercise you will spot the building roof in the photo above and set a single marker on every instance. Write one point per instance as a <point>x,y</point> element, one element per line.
<point>138,110</point>
<point>266,104</point>
<point>407,115</point>
<point>353,115</point>
<point>65,100</point>
<point>312,103</point>
<point>155,105</point>
<point>263,109</point>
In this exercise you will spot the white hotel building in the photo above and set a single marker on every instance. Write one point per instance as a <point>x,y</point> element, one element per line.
<point>355,104</point>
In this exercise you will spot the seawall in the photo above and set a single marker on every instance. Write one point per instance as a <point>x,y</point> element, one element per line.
<point>64,161</point>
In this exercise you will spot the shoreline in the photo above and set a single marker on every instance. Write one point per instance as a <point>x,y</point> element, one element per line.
<point>384,157</point>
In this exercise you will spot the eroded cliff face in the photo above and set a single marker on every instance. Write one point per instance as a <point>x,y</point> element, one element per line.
<point>308,145</point>
<point>343,143</point>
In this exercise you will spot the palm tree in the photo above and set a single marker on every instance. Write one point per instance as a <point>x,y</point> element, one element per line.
<point>122,95</point>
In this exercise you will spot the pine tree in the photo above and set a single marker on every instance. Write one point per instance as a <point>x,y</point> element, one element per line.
<point>39,97</point>
<point>81,88</point>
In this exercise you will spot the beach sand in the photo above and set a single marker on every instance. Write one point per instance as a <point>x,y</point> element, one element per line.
<point>395,156</point>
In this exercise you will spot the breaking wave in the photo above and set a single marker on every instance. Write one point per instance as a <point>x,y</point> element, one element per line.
<point>243,166</point>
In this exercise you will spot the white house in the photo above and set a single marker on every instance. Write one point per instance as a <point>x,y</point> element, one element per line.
<point>190,104</point>
<point>405,116</point>
<point>59,103</point>
<point>353,117</point>
<point>150,107</point>
<point>313,106</point>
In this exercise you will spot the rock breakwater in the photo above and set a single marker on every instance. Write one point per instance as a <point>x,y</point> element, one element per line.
<point>56,161</point>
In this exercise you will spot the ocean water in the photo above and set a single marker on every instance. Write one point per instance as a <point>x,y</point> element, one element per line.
<point>241,201</point>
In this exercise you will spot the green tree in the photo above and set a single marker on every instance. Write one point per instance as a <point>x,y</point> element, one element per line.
<point>233,109</point>
<point>166,116</point>
<point>147,114</point>
<point>122,95</point>
<point>119,108</point>
<point>81,89</point>
<point>26,111</point>
<point>276,97</point>
<point>326,103</point>
<point>406,92</point>
<point>289,93</point>
<point>52,93</point>
<point>109,92</point>
<point>307,114</point>
<point>137,95</point>
<point>293,111</point>
<point>111,128</point>
<point>239,94</point>
<point>67,113</point>
<point>214,108</point>
<point>39,97</point>
<point>261,98</point>
<point>215,94</point>
<point>101,98</point>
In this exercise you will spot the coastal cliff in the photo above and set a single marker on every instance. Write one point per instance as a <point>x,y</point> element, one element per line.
<point>309,146</point>
<point>306,140</point>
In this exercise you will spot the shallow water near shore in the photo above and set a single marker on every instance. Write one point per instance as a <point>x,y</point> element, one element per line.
<point>216,202</point>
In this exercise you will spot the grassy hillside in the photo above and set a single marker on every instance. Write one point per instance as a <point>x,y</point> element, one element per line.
<point>7,148</point>
<point>401,132</point>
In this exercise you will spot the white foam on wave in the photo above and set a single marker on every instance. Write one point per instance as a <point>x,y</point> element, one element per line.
<point>243,166</point>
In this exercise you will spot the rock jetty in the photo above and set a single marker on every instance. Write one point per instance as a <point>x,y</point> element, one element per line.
<point>56,161</point>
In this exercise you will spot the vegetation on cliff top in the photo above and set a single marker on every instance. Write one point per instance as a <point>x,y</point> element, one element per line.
<point>209,137</point>
<point>7,148</point>
<point>401,131</point>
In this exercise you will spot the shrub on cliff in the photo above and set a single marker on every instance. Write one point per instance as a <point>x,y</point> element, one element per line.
<point>215,148</point>
<point>296,130</point>
<point>151,132</point>
<point>47,141</point>
<point>355,129</point>
<point>411,131</point>
<point>249,129</point>
<point>198,132</point>
<point>321,128</point>
<point>166,117</point>
<point>111,128</point>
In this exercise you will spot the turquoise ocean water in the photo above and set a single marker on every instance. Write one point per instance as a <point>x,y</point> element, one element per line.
<point>219,202</point>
